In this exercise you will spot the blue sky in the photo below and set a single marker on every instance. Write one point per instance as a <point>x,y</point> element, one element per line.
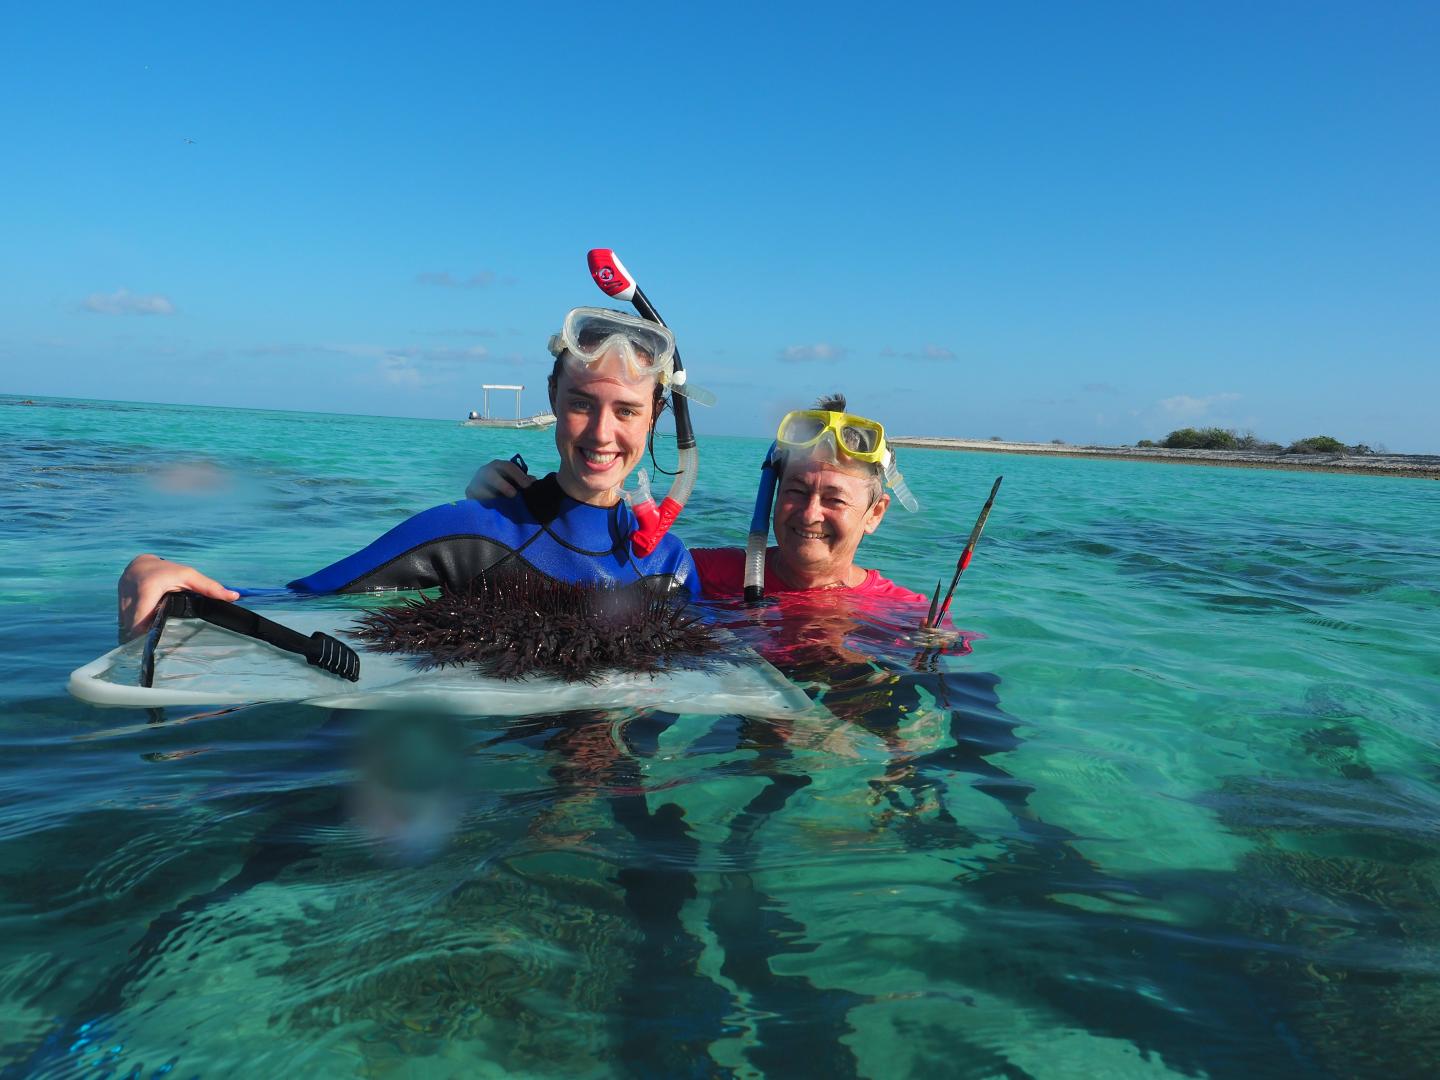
<point>1094,222</point>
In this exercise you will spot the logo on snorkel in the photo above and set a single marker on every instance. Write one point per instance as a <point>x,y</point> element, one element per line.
<point>608,274</point>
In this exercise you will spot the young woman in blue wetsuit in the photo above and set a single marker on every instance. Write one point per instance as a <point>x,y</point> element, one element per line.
<point>607,389</point>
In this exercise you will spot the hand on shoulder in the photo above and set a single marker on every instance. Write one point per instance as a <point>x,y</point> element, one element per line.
<point>498,480</point>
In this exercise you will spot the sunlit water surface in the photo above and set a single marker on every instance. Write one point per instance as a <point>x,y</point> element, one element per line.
<point>1177,813</point>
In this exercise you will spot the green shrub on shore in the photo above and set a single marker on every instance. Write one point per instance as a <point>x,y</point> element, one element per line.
<point>1227,439</point>
<point>1325,444</point>
<point>1205,439</point>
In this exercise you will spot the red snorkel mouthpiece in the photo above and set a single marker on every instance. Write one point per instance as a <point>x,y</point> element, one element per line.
<point>654,521</point>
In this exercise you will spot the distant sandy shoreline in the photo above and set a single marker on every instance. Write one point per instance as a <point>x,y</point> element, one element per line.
<point>1425,466</point>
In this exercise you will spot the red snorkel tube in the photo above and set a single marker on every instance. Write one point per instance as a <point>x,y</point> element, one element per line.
<point>655,521</point>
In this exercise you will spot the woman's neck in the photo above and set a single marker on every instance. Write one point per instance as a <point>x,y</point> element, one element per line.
<point>814,577</point>
<point>583,495</point>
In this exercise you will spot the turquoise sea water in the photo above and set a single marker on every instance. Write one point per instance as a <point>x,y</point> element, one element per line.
<point>1177,813</point>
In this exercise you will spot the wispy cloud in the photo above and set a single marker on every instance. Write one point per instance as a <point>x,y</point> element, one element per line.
<point>420,354</point>
<point>412,367</point>
<point>124,302</point>
<point>802,354</point>
<point>398,371</point>
<point>400,367</point>
<point>291,348</point>
<point>464,331</point>
<point>446,280</point>
<point>442,356</point>
<point>1185,407</point>
<point>927,352</point>
<point>1099,388</point>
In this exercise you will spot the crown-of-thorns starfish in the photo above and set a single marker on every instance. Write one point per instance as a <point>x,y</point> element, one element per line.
<point>518,624</point>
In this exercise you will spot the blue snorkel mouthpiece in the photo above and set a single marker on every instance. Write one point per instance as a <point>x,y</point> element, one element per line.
<point>760,527</point>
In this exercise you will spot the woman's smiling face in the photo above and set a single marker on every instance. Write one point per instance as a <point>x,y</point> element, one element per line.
<point>822,512</point>
<point>602,422</point>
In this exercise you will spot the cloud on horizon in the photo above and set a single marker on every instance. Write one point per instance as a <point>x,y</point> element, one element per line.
<point>412,367</point>
<point>1185,407</point>
<point>804,354</point>
<point>446,280</point>
<point>398,371</point>
<point>442,356</point>
<point>124,302</point>
<point>928,352</point>
<point>436,356</point>
<point>295,348</point>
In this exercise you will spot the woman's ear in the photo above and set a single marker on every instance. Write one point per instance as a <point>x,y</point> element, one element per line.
<point>876,514</point>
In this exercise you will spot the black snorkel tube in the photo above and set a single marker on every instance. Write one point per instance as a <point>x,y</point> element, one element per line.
<point>616,282</point>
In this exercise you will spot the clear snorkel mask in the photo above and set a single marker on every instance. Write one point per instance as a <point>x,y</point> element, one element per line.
<point>646,350</point>
<point>836,435</point>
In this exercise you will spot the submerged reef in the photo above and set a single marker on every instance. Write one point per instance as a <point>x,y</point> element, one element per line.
<point>521,624</point>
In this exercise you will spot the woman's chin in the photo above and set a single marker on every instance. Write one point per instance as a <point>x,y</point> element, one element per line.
<point>592,487</point>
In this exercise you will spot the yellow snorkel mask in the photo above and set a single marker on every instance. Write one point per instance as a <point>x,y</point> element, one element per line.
<point>859,438</point>
<point>856,437</point>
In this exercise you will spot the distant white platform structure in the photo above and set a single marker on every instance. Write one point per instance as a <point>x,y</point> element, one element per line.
<point>484,419</point>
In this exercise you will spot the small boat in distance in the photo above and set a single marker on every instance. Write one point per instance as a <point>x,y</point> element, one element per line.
<point>484,419</point>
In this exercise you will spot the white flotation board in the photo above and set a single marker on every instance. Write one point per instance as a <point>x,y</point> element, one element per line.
<point>197,663</point>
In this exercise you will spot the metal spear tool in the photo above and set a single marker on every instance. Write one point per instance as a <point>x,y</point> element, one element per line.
<point>938,611</point>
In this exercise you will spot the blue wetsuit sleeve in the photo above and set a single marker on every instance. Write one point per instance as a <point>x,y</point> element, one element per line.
<point>445,545</point>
